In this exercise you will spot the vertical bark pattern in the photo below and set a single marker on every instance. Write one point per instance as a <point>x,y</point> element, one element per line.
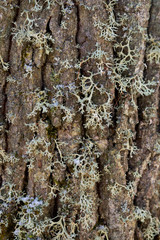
<point>79,119</point>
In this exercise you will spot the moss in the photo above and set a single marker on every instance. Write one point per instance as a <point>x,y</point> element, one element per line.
<point>25,54</point>
<point>55,77</point>
<point>7,232</point>
<point>51,131</point>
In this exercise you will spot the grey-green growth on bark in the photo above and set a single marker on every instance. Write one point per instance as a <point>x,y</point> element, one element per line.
<point>79,119</point>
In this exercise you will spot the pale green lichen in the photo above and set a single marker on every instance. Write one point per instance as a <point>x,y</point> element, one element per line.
<point>153,51</point>
<point>152,228</point>
<point>4,64</point>
<point>29,220</point>
<point>127,141</point>
<point>26,33</point>
<point>7,157</point>
<point>109,28</point>
<point>39,97</point>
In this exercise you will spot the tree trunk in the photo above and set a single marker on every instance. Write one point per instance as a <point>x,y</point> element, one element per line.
<point>80,142</point>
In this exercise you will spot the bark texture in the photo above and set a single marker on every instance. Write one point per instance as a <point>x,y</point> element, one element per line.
<point>79,119</point>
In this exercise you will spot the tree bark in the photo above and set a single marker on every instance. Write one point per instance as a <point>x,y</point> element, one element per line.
<point>79,119</point>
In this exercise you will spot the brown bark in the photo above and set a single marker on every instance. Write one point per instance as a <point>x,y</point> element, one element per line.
<point>79,115</point>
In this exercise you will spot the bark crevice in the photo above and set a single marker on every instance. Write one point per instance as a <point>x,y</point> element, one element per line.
<point>150,14</point>
<point>25,179</point>
<point>9,72</point>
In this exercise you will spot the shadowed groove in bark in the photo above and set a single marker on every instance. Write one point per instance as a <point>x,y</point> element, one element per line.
<point>158,113</point>
<point>114,115</point>
<point>118,96</point>
<point>43,67</point>
<point>83,119</point>
<point>25,179</point>
<point>1,181</point>
<point>139,101</point>
<point>54,211</point>
<point>54,203</point>
<point>5,84</point>
<point>150,13</point>
<point>60,16</point>
<point>100,221</point>
<point>78,27</point>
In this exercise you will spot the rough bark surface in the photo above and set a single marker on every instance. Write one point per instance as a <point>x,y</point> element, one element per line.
<point>79,119</point>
